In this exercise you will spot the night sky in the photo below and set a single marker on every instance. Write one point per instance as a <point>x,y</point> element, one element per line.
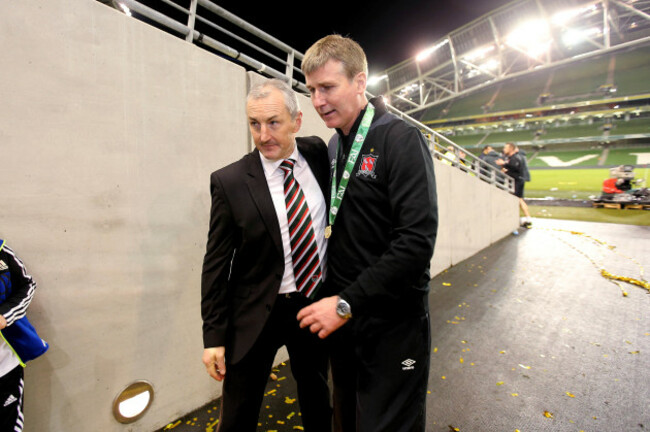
<point>389,32</point>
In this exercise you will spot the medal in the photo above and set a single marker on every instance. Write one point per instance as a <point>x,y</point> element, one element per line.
<point>328,231</point>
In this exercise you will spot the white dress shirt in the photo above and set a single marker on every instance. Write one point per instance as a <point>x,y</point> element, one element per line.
<point>314,196</point>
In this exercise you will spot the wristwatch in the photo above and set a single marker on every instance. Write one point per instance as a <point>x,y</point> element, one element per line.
<point>343,309</point>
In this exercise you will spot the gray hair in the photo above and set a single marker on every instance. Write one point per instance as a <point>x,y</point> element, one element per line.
<point>261,91</point>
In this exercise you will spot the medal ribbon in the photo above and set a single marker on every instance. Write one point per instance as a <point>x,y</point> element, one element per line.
<point>337,195</point>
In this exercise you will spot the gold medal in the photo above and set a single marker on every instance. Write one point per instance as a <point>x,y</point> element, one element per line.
<point>328,231</point>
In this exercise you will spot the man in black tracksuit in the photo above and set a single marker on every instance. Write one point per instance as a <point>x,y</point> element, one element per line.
<point>516,167</point>
<point>375,310</point>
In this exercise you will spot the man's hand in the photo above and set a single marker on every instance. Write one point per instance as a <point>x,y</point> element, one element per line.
<point>321,317</point>
<point>214,360</point>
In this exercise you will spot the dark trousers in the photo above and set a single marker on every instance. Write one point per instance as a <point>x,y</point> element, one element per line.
<point>11,400</point>
<point>380,370</point>
<point>245,381</point>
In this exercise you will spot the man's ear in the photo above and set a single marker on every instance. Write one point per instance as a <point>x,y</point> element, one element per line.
<point>298,122</point>
<point>361,80</point>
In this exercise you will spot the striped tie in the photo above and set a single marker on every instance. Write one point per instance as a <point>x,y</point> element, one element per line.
<point>304,251</point>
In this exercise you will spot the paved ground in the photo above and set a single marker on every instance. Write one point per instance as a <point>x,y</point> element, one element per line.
<point>527,336</point>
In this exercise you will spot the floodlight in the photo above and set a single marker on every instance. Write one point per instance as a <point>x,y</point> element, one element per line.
<point>574,36</point>
<point>423,55</point>
<point>531,37</point>
<point>563,17</point>
<point>375,79</point>
<point>479,53</point>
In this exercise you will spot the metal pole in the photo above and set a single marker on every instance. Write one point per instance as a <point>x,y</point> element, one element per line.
<point>191,20</point>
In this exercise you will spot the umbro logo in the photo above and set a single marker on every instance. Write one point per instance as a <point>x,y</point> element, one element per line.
<point>11,399</point>
<point>3,266</point>
<point>408,364</point>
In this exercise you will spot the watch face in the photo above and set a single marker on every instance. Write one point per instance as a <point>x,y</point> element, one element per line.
<point>343,309</point>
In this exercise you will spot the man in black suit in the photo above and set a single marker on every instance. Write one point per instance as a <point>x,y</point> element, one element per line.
<point>265,260</point>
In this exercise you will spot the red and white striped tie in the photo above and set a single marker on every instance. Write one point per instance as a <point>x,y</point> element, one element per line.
<point>304,251</point>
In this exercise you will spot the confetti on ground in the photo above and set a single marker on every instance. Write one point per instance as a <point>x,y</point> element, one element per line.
<point>570,394</point>
<point>548,414</point>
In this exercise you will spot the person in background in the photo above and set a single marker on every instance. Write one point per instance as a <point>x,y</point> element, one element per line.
<point>265,260</point>
<point>19,343</point>
<point>516,167</point>
<point>382,230</point>
<point>490,156</point>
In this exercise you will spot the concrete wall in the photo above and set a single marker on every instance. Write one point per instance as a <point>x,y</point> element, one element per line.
<point>109,129</point>
<point>473,215</point>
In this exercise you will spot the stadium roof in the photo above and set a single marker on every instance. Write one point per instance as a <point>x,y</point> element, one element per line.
<point>519,38</point>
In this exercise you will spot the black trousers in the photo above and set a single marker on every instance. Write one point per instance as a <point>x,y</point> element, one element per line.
<point>380,370</point>
<point>245,381</point>
<point>11,400</point>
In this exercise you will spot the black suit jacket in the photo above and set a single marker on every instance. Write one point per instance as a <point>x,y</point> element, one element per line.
<point>244,260</point>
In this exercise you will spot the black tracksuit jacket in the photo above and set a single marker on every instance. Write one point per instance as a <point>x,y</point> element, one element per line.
<point>385,230</point>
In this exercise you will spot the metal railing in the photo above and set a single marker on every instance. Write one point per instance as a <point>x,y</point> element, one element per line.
<point>204,24</point>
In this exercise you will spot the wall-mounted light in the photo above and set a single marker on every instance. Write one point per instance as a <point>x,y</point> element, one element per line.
<point>133,402</point>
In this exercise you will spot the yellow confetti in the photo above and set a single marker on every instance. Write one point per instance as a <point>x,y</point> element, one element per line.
<point>461,360</point>
<point>298,428</point>
<point>500,383</point>
<point>282,378</point>
<point>273,377</point>
<point>453,429</point>
<point>172,425</point>
<point>570,394</point>
<point>288,400</point>
<point>443,377</point>
<point>548,414</point>
<point>291,414</point>
<point>514,394</point>
<point>502,352</point>
<point>525,367</point>
<point>435,350</point>
<point>635,352</point>
<point>446,284</point>
<point>270,392</point>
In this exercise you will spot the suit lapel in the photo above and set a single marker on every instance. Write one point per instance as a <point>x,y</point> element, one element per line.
<point>259,190</point>
<point>320,170</point>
